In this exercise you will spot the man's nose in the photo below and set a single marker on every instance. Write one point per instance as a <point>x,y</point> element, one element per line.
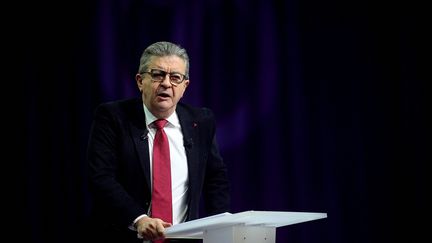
<point>166,80</point>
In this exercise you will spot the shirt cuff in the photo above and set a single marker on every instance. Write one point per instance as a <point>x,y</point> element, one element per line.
<point>132,226</point>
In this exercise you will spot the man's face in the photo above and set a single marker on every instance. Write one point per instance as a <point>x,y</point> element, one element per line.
<point>161,98</point>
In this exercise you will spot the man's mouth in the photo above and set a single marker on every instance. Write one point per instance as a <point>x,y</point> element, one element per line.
<point>163,95</point>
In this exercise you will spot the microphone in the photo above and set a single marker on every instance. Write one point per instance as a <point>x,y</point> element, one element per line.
<point>188,143</point>
<point>144,136</point>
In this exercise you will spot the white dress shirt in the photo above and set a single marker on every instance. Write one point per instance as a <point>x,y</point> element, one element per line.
<point>179,167</point>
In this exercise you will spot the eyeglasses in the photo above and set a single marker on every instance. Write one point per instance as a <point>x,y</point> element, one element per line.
<point>159,76</point>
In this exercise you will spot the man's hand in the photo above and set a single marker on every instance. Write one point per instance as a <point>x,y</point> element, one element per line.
<point>151,228</point>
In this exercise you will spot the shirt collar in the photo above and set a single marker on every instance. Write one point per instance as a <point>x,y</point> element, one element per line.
<point>150,118</point>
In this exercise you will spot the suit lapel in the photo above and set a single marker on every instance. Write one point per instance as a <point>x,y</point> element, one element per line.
<point>139,135</point>
<point>190,141</point>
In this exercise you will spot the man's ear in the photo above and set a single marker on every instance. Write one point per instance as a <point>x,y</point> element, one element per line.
<point>186,83</point>
<point>139,81</point>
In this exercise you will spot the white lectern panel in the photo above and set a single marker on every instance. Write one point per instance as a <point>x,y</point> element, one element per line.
<point>233,223</point>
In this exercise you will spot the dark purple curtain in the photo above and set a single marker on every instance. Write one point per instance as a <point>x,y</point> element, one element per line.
<point>321,106</point>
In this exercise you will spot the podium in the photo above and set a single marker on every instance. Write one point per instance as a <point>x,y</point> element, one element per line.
<point>243,227</point>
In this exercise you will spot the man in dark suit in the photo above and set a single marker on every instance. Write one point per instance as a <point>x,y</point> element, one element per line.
<point>120,154</point>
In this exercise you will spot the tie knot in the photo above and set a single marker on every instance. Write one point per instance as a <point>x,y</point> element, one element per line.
<point>160,123</point>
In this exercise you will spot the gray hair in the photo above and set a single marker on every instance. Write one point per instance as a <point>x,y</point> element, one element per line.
<point>162,49</point>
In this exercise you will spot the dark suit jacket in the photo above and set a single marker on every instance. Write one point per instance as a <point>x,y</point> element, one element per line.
<point>118,157</point>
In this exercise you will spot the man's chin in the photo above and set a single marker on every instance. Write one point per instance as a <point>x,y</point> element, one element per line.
<point>163,106</point>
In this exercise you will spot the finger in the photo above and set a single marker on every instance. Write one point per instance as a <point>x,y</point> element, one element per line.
<point>166,224</point>
<point>147,234</point>
<point>160,230</point>
<point>144,235</point>
<point>153,234</point>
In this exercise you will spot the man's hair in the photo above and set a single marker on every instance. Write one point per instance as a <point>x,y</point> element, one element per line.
<point>162,49</point>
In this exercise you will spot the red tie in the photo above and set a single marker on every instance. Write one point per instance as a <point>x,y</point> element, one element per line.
<point>162,194</point>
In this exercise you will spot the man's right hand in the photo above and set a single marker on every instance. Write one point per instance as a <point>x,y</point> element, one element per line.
<point>151,228</point>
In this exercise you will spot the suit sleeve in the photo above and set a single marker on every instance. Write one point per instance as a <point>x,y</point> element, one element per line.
<point>216,184</point>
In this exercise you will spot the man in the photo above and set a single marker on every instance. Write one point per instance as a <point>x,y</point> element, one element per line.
<point>123,162</point>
